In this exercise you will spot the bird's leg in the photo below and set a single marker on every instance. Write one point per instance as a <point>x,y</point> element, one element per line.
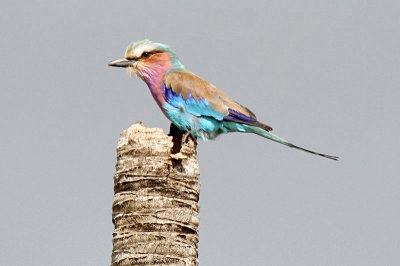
<point>180,140</point>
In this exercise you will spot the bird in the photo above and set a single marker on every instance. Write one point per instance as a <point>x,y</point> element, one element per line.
<point>191,103</point>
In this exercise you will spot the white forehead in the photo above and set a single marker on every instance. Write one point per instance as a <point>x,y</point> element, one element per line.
<point>137,52</point>
<point>138,48</point>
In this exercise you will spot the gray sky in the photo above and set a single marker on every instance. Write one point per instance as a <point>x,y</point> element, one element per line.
<point>323,74</point>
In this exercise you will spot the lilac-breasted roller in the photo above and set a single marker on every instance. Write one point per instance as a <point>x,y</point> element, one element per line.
<point>191,103</point>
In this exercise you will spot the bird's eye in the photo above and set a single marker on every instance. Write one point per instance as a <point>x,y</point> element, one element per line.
<point>145,55</point>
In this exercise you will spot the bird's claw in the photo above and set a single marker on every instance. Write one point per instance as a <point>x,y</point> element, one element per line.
<point>178,156</point>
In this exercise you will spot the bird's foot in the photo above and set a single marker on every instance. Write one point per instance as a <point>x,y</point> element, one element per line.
<point>183,143</point>
<point>178,156</point>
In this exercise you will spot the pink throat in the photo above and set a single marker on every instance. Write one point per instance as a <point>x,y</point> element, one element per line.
<point>154,77</point>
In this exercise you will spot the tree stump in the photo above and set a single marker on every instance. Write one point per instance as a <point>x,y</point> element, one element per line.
<point>156,191</point>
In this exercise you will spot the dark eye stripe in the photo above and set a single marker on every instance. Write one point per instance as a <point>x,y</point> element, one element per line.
<point>148,54</point>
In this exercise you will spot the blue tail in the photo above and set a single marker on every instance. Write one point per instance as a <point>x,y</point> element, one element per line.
<point>238,127</point>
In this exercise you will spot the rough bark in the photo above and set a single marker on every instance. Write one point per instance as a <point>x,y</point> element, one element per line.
<point>156,193</point>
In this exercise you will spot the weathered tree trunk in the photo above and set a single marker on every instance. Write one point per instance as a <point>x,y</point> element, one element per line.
<point>156,193</point>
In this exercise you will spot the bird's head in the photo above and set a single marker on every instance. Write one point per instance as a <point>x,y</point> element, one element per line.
<point>147,59</point>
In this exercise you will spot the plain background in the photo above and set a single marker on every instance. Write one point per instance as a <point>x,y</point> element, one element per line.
<point>323,74</point>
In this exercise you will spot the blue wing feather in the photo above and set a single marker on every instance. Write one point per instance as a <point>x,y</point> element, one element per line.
<point>198,116</point>
<point>197,108</point>
<point>238,117</point>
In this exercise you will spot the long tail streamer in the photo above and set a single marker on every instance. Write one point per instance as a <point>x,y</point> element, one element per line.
<point>269,135</point>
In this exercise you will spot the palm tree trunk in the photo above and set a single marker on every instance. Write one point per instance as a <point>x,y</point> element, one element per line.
<point>156,191</point>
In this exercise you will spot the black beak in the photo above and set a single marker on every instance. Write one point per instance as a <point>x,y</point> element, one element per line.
<point>121,63</point>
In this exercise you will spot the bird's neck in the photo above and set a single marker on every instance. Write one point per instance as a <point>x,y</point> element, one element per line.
<point>154,79</point>
<point>152,73</point>
<point>155,83</point>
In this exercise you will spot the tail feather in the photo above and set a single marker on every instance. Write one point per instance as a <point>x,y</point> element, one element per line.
<point>269,135</point>
<point>336,158</point>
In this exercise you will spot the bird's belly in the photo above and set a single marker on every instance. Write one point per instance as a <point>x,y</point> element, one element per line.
<point>199,126</point>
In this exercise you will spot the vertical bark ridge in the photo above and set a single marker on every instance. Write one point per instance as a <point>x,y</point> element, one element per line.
<point>156,193</point>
